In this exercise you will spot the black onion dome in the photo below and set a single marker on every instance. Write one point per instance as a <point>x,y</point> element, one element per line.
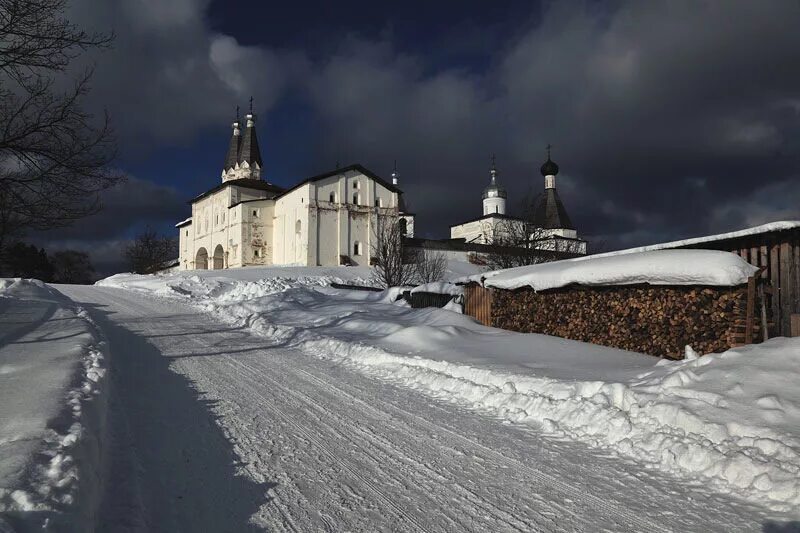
<point>549,168</point>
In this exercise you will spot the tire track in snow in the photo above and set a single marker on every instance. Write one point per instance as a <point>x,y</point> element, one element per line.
<point>395,453</point>
<point>322,446</point>
<point>592,501</point>
<point>391,454</point>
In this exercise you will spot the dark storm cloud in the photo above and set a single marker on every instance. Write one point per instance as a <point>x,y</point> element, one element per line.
<point>660,113</point>
<point>131,204</point>
<point>168,76</point>
<point>127,209</point>
<point>668,118</point>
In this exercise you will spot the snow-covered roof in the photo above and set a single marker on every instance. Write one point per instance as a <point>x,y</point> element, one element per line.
<point>184,222</point>
<point>662,267</point>
<point>756,230</point>
<point>440,287</point>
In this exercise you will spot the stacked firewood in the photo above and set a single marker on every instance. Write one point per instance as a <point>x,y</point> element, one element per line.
<point>656,320</point>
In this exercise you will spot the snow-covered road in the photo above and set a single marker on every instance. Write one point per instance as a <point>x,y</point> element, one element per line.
<point>214,431</point>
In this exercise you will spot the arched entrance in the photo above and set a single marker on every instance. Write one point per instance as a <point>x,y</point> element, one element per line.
<point>219,257</point>
<point>201,260</point>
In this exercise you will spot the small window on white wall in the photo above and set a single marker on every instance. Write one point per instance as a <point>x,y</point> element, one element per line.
<point>332,198</point>
<point>298,226</point>
<point>355,185</point>
<point>255,212</point>
<point>356,248</point>
<point>355,198</point>
<point>378,202</point>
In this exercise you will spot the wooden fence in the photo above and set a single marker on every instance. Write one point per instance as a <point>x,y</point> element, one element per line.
<point>478,303</point>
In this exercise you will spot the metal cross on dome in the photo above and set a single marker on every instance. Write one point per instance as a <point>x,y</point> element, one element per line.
<point>548,150</point>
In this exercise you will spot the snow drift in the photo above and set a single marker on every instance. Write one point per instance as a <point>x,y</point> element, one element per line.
<point>52,414</point>
<point>731,419</point>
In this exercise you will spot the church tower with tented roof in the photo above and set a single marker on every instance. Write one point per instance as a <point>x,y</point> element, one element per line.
<point>243,159</point>
<point>553,228</point>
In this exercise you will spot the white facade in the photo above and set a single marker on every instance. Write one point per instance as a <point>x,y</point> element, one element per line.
<point>325,221</point>
<point>486,229</point>
<point>494,204</point>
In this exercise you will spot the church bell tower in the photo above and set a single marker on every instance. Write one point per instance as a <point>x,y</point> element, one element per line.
<point>494,196</point>
<point>243,160</point>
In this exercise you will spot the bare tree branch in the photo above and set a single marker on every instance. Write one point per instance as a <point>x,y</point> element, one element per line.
<point>391,267</point>
<point>54,156</point>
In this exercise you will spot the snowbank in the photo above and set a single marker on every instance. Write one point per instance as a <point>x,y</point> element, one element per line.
<point>52,415</point>
<point>664,267</point>
<point>731,419</point>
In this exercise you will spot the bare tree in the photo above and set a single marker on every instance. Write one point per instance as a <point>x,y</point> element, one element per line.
<point>429,265</point>
<point>515,242</point>
<point>71,266</point>
<point>150,252</point>
<point>54,156</point>
<point>392,267</point>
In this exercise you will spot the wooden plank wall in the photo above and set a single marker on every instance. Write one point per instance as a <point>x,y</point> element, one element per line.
<point>780,253</point>
<point>478,303</point>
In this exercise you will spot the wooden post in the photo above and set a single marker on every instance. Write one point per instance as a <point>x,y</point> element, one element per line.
<point>751,303</point>
<point>774,272</point>
<point>786,287</point>
<point>795,327</point>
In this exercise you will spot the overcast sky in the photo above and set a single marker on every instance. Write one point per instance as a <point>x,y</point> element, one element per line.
<point>668,119</point>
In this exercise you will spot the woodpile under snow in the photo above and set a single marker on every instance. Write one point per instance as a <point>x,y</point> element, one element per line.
<point>656,320</point>
<point>652,302</point>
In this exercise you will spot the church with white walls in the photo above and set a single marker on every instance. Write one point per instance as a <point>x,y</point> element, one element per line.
<point>327,220</point>
<point>546,226</point>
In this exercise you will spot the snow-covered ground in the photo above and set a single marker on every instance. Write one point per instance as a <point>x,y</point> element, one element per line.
<point>52,414</point>
<point>219,429</point>
<point>264,398</point>
<point>731,419</point>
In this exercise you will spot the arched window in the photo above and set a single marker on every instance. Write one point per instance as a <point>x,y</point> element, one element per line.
<point>378,202</point>
<point>403,225</point>
<point>332,198</point>
<point>298,226</point>
<point>356,198</point>
<point>356,248</point>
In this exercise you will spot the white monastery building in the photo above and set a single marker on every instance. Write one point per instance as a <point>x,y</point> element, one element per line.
<point>547,225</point>
<point>326,220</point>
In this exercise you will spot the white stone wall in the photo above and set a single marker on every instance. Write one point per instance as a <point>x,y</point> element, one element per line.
<point>290,228</point>
<point>302,227</point>
<point>230,232</point>
<point>477,231</point>
<point>494,204</point>
<point>409,224</point>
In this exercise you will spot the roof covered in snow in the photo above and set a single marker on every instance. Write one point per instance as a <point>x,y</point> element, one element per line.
<point>664,267</point>
<point>780,225</point>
